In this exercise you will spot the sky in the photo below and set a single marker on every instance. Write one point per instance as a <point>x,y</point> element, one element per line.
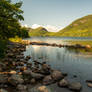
<point>54,14</point>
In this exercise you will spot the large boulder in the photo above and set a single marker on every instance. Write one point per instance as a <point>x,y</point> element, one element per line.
<point>63,83</point>
<point>48,80</point>
<point>33,74</point>
<point>76,86</point>
<point>16,79</point>
<point>57,75</point>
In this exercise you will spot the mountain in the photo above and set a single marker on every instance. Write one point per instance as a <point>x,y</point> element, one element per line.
<point>40,31</point>
<point>79,28</point>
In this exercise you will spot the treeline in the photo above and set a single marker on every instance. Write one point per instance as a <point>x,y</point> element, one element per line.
<point>10,17</point>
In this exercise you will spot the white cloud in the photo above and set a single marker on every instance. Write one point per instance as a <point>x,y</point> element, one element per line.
<point>25,25</point>
<point>50,28</point>
<point>35,26</point>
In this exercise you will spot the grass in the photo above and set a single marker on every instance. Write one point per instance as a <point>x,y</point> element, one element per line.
<point>16,39</point>
<point>80,42</point>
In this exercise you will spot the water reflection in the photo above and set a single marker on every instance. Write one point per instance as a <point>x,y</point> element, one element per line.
<point>72,61</point>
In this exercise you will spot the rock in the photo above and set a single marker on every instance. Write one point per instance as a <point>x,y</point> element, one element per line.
<point>28,57</point>
<point>64,74</point>
<point>15,79</point>
<point>57,75</point>
<point>89,81</point>
<point>2,66</point>
<point>75,76</point>
<point>3,78</point>
<point>89,85</point>
<point>36,75</point>
<point>13,72</point>
<point>47,80</point>
<point>33,81</point>
<point>33,75</point>
<point>10,55</point>
<point>78,45</point>
<point>63,83</point>
<point>45,69</point>
<point>76,86</point>
<point>23,68</point>
<point>3,90</point>
<point>88,46</point>
<point>43,89</point>
<point>21,87</point>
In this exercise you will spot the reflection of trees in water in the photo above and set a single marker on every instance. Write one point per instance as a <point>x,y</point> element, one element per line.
<point>58,55</point>
<point>39,53</point>
<point>76,50</point>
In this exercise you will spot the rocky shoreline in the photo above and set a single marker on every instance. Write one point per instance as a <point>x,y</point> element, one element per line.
<point>19,75</point>
<point>28,42</point>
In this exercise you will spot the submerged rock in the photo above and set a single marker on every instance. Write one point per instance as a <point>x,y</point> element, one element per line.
<point>76,86</point>
<point>63,83</point>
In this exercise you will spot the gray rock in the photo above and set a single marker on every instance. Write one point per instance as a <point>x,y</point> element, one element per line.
<point>57,75</point>
<point>39,88</point>
<point>21,87</point>
<point>47,80</point>
<point>33,75</point>
<point>33,81</point>
<point>63,83</point>
<point>3,78</point>
<point>76,86</point>
<point>15,79</point>
<point>89,85</point>
<point>43,89</point>
<point>3,90</point>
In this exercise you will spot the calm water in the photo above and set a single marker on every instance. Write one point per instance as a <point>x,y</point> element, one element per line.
<point>73,62</point>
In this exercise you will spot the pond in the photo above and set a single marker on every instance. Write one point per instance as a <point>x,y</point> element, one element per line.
<point>72,61</point>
